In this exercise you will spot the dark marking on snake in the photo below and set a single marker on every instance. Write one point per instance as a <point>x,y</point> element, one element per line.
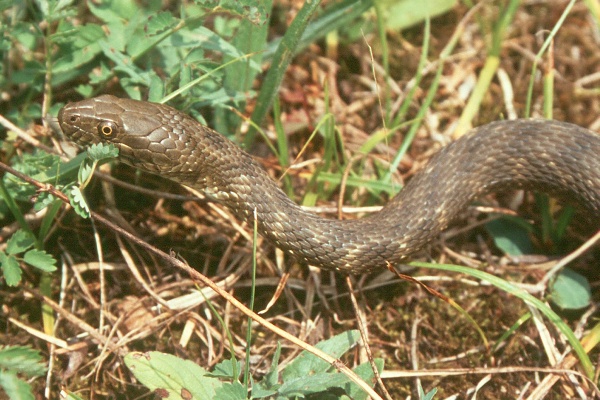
<point>554,157</point>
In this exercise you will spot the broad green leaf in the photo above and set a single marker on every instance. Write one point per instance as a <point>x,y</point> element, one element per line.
<point>365,372</point>
<point>321,382</point>
<point>402,14</point>
<point>171,376</point>
<point>10,269</point>
<point>114,10</point>
<point>307,364</point>
<point>231,391</point>
<point>19,242</point>
<point>570,290</point>
<point>40,259</point>
<point>510,236</point>
<point>15,388</point>
<point>161,22</point>
<point>23,360</point>
<point>79,46</point>
<point>225,369</point>
<point>311,384</point>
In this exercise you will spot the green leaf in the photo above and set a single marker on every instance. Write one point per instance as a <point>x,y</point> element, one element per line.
<point>101,151</point>
<point>270,379</point>
<point>161,22</point>
<point>402,14</point>
<point>307,364</point>
<point>426,396</point>
<point>225,369</point>
<point>41,260</point>
<point>15,388</point>
<point>79,46</point>
<point>78,202</point>
<point>365,372</point>
<point>171,376</point>
<point>10,269</point>
<point>23,360</point>
<point>86,169</point>
<point>510,235</point>
<point>269,385</point>
<point>311,384</point>
<point>231,391</point>
<point>39,165</point>
<point>114,10</point>
<point>19,242</point>
<point>321,382</point>
<point>570,290</point>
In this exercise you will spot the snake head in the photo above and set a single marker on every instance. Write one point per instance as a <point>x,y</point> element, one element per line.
<point>143,132</point>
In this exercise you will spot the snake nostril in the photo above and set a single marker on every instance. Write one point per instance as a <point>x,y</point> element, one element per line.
<point>73,118</point>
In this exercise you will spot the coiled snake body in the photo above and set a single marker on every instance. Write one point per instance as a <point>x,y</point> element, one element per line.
<point>551,156</point>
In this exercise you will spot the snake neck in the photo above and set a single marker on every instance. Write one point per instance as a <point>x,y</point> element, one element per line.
<point>434,197</point>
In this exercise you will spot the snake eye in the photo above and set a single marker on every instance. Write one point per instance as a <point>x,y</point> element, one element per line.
<point>107,129</point>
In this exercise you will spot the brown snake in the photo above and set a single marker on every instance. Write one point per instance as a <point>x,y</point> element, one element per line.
<point>555,157</point>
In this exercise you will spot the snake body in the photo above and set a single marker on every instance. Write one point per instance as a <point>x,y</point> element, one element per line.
<point>551,156</point>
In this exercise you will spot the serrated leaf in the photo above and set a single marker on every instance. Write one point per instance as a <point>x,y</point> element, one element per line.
<point>23,360</point>
<point>86,168</point>
<point>160,22</point>
<point>78,202</point>
<point>40,259</point>
<point>570,290</point>
<point>102,151</point>
<point>43,200</point>
<point>39,165</point>
<point>224,369</point>
<point>231,391</point>
<point>19,242</point>
<point>14,387</point>
<point>171,376</point>
<point>10,269</point>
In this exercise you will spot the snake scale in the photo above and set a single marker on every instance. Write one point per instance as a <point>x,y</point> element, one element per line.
<point>551,156</point>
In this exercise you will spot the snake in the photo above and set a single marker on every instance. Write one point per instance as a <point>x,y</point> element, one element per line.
<point>554,157</point>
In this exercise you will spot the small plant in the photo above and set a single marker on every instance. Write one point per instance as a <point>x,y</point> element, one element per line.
<point>19,249</point>
<point>15,364</point>
<point>306,375</point>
